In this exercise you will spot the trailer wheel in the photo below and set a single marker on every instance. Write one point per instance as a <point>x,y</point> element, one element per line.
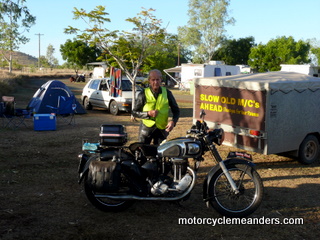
<point>309,150</point>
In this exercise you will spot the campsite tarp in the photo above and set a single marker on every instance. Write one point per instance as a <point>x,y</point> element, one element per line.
<point>48,95</point>
<point>173,70</point>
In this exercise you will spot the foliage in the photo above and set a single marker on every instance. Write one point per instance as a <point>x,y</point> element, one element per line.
<point>127,49</point>
<point>78,53</point>
<point>233,51</point>
<point>315,51</point>
<point>165,54</point>
<point>44,63</point>
<point>206,27</point>
<point>282,50</point>
<point>15,18</point>
<point>160,56</point>
<point>52,61</point>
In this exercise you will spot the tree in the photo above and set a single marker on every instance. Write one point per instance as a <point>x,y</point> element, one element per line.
<point>315,50</point>
<point>162,55</point>
<point>44,62</point>
<point>52,61</point>
<point>282,50</point>
<point>15,18</point>
<point>206,27</point>
<point>233,51</point>
<point>78,53</point>
<point>165,54</point>
<point>128,49</point>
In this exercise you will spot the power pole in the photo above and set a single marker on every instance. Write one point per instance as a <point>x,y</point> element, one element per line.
<point>39,50</point>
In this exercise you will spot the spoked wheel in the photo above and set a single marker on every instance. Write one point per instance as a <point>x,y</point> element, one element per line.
<point>105,204</point>
<point>228,203</point>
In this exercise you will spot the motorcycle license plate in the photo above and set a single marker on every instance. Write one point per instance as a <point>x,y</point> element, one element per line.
<point>240,155</point>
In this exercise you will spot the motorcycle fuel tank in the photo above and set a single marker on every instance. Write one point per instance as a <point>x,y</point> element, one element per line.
<point>180,148</point>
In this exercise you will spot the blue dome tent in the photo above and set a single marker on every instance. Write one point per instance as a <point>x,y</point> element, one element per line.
<point>48,95</point>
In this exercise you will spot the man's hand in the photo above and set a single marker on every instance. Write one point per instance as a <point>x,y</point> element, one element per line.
<point>152,113</point>
<point>170,126</point>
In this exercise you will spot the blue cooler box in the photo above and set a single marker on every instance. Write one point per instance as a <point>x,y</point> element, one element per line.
<point>44,122</point>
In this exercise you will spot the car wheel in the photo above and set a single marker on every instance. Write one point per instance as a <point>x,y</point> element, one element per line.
<point>87,104</point>
<point>113,108</point>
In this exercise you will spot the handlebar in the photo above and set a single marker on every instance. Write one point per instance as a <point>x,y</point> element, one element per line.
<point>193,131</point>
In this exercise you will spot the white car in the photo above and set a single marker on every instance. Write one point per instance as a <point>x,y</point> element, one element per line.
<point>98,93</point>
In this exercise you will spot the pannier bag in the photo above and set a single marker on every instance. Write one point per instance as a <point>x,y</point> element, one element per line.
<point>113,135</point>
<point>104,176</point>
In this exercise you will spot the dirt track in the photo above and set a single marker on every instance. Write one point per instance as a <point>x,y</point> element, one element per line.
<point>41,199</point>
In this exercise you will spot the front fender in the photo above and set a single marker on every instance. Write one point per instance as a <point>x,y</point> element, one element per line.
<point>213,170</point>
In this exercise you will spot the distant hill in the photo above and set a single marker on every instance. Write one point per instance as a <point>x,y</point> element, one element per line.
<point>24,59</point>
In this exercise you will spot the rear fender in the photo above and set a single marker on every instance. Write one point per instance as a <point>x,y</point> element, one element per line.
<point>213,170</point>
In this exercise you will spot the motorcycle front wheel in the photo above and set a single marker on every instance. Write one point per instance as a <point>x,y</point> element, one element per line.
<point>228,203</point>
<point>103,203</point>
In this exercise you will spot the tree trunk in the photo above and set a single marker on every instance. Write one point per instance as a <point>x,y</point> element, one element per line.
<point>10,62</point>
<point>133,119</point>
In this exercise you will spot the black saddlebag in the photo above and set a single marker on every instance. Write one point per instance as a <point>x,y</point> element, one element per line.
<point>104,176</point>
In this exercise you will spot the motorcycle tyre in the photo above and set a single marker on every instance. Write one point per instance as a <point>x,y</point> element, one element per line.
<point>250,171</point>
<point>117,206</point>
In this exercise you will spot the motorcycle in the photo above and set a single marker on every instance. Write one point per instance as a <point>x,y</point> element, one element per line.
<point>116,175</point>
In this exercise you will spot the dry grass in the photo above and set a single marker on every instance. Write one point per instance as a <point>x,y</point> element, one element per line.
<point>41,199</point>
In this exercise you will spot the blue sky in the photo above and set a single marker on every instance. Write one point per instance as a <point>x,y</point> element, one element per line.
<point>262,19</point>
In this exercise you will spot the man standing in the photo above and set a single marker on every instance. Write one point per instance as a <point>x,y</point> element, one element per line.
<point>152,106</point>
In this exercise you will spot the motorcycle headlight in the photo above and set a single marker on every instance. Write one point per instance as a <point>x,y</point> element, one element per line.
<point>216,136</point>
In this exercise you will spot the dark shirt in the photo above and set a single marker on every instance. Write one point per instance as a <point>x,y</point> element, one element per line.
<point>141,100</point>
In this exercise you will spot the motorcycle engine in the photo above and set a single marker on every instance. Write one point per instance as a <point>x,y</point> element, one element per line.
<point>181,179</point>
<point>179,168</point>
<point>159,188</point>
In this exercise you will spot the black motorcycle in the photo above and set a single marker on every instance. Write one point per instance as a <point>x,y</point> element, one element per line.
<point>115,175</point>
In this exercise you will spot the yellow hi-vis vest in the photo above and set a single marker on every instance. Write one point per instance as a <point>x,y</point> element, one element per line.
<point>161,104</point>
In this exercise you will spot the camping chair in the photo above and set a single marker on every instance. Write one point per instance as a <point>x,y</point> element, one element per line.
<point>21,115</point>
<point>65,109</point>
<point>7,111</point>
<point>12,117</point>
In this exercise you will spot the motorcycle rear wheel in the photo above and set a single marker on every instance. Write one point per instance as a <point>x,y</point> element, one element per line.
<point>225,201</point>
<point>105,204</point>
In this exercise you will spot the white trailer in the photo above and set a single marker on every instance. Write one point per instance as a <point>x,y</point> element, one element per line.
<point>268,113</point>
<point>307,69</point>
<point>100,69</point>
<point>190,71</point>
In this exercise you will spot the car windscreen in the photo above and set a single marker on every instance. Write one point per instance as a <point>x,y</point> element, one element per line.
<point>126,85</point>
